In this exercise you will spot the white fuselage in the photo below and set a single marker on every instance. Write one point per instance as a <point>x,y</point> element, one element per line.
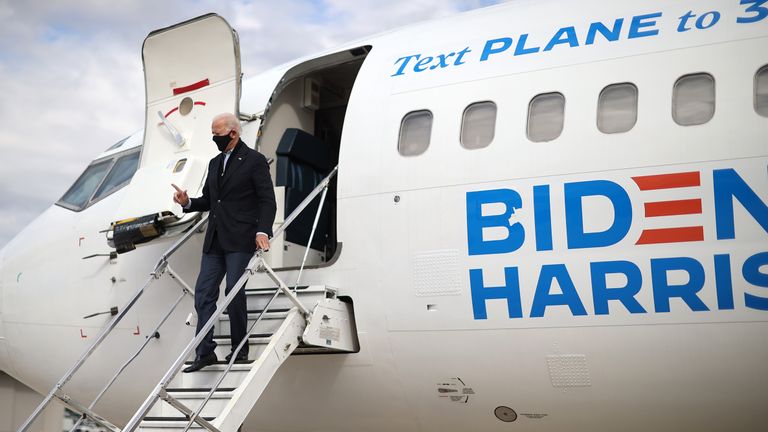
<point>559,307</point>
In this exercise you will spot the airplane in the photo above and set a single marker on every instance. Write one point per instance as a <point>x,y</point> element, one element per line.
<point>546,216</point>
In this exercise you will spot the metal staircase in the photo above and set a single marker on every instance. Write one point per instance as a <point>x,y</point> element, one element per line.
<point>218,398</point>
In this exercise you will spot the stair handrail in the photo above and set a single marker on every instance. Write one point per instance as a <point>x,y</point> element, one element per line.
<point>282,286</point>
<point>159,270</point>
<point>256,262</point>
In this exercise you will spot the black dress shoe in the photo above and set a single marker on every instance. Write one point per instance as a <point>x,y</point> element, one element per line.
<point>201,362</point>
<point>242,357</point>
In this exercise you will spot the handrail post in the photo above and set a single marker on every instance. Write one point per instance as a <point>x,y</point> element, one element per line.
<point>166,379</point>
<point>256,261</point>
<point>160,268</point>
<point>158,271</point>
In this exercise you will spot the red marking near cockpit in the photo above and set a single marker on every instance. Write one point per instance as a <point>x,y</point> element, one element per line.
<point>198,85</point>
<point>173,110</point>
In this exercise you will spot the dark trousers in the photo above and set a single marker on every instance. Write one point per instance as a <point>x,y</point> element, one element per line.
<point>213,267</point>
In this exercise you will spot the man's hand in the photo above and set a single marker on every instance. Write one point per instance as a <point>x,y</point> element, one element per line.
<point>180,196</point>
<point>262,242</point>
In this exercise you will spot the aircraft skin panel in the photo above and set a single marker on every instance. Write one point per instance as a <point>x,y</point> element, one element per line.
<point>572,151</point>
<point>681,374</point>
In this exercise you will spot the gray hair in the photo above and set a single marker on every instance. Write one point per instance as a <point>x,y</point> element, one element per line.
<point>229,119</point>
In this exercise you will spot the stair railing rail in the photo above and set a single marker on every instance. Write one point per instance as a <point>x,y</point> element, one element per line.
<point>162,267</point>
<point>256,263</point>
<point>282,287</point>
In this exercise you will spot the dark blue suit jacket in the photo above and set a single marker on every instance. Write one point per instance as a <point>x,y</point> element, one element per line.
<point>241,202</point>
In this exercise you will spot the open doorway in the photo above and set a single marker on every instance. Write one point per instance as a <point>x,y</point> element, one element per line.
<point>301,131</point>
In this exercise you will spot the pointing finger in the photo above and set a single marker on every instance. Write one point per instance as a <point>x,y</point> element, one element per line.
<point>177,188</point>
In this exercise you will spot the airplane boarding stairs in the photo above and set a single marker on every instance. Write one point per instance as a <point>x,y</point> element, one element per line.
<point>281,331</point>
<point>282,321</point>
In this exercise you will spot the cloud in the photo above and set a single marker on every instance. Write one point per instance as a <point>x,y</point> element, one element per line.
<point>72,81</point>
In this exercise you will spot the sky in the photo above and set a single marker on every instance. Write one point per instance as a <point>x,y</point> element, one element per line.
<point>71,79</point>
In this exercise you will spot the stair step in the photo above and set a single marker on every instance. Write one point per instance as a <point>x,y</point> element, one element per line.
<point>257,298</point>
<point>209,375</point>
<point>223,364</point>
<point>269,323</point>
<point>198,389</point>
<point>193,399</point>
<point>256,312</point>
<point>301,288</point>
<point>254,339</point>
<point>171,419</point>
<point>167,423</point>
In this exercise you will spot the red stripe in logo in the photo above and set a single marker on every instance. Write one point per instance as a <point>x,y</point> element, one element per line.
<point>671,235</point>
<point>670,207</point>
<point>668,181</point>
<point>673,208</point>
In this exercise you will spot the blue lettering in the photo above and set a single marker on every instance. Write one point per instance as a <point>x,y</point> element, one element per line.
<point>609,35</point>
<point>723,282</point>
<point>543,217</point>
<point>442,61</point>
<point>683,26</point>
<point>574,213</point>
<point>460,56</point>
<point>421,65</point>
<point>642,21</point>
<point>476,222</point>
<point>405,61</point>
<point>728,185</point>
<point>520,49</point>
<point>491,48</point>
<point>564,35</point>
<point>601,294</point>
<point>700,24</point>
<point>757,8</point>
<point>752,274</point>
<point>509,292</point>
<point>544,298</point>
<point>663,290</point>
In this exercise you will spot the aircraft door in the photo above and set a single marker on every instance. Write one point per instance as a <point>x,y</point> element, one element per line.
<point>192,73</point>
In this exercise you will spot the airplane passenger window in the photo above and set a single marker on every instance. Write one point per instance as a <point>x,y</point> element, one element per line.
<point>478,125</point>
<point>546,114</point>
<point>79,194</point>
<point>693,100</point>
<point>761,91</point>
<point>617,108</point>
<point>120,175</point>
<point>415,131</point>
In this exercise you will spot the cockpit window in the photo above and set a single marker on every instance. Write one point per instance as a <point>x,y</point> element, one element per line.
<point>100,179</point>
<point>80,193</point>
<point>120,175</point>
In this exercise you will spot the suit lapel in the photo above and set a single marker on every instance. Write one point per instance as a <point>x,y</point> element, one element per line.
<point>215,174</point>
<point>236,160</point>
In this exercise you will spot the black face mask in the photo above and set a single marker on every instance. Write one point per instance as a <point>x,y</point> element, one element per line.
<point>221,141</point>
